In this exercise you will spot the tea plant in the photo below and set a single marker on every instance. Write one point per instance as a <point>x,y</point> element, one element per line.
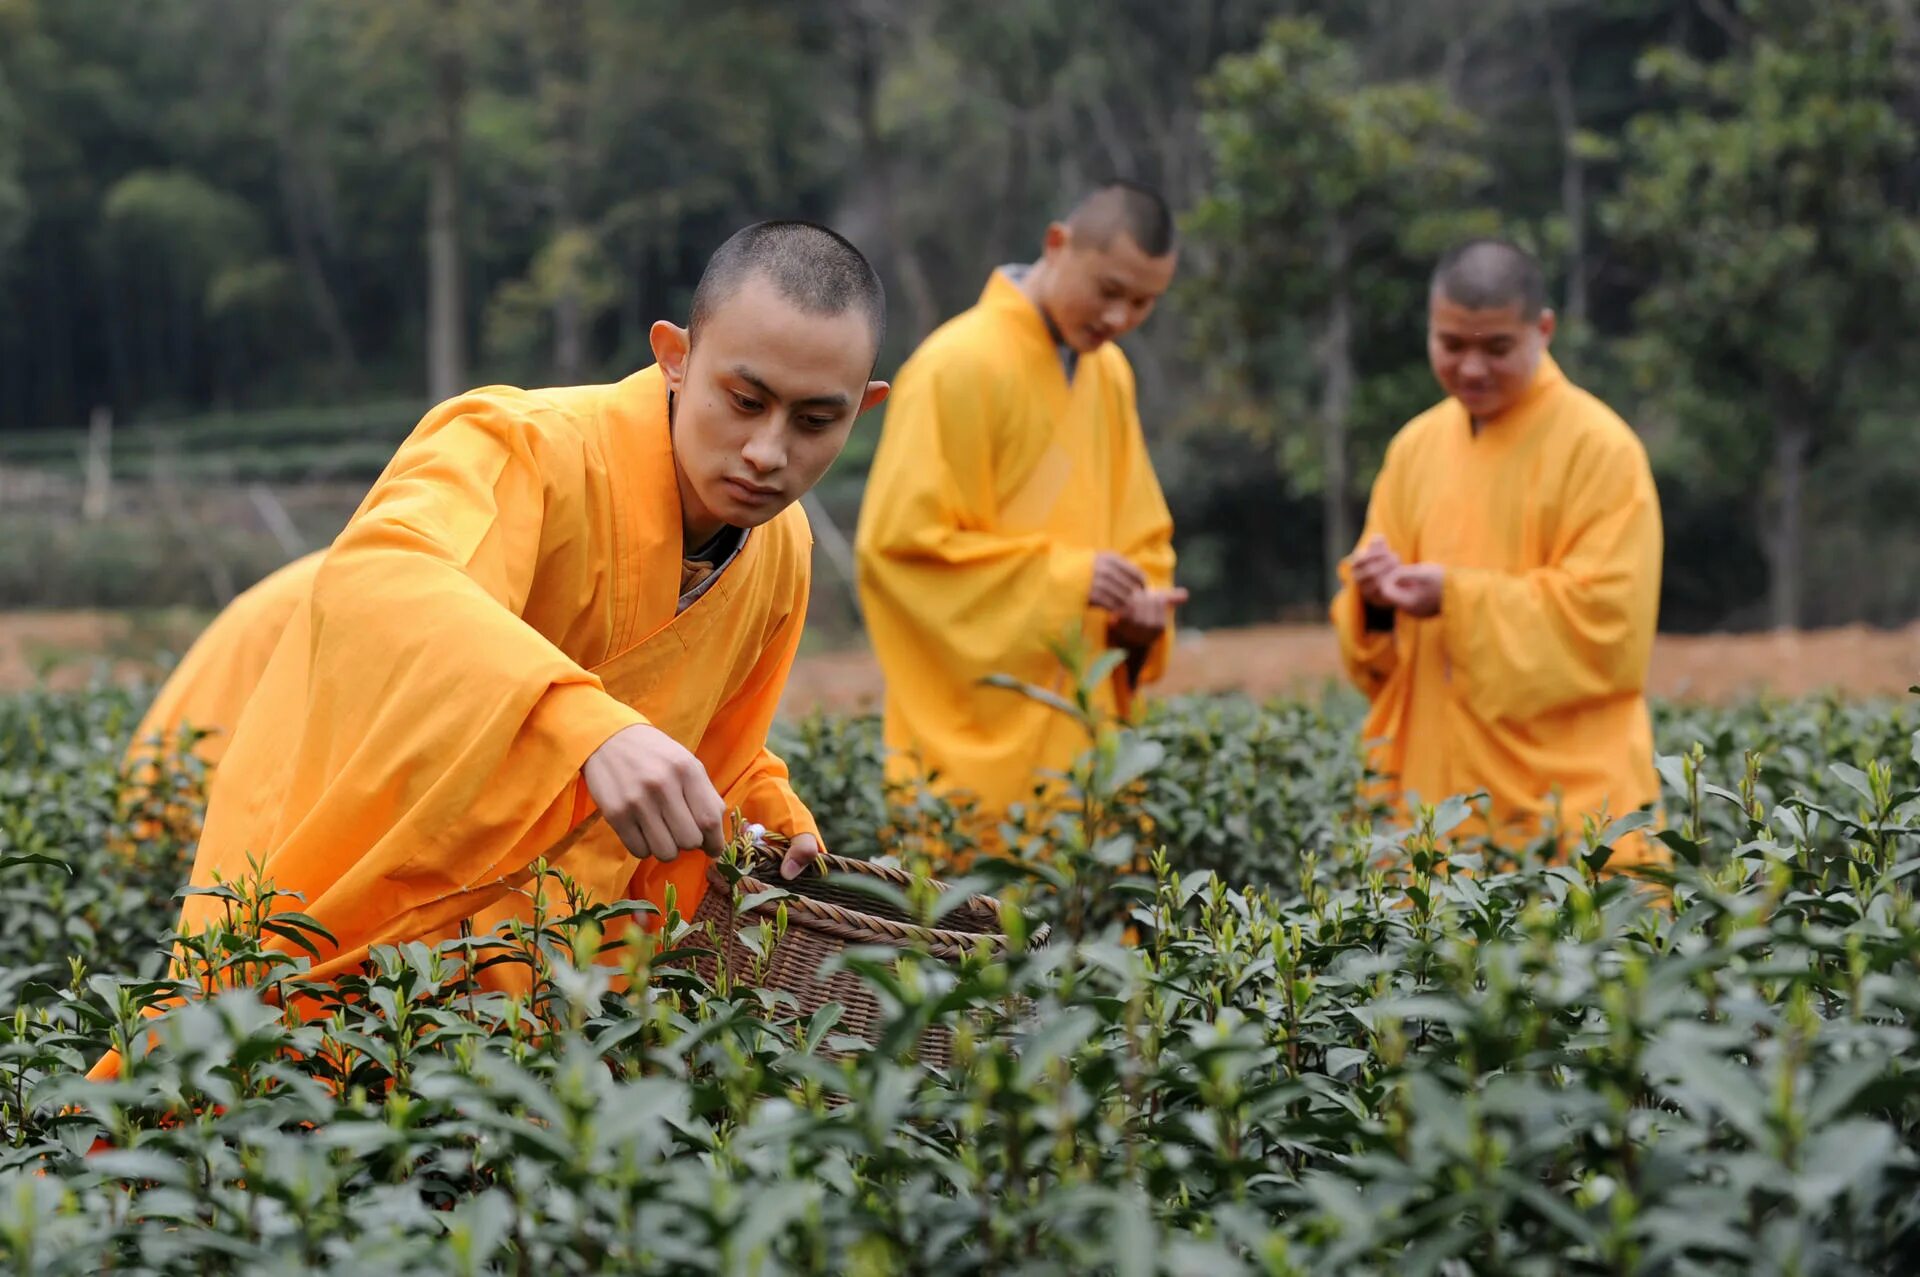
<point>1257,1052</point>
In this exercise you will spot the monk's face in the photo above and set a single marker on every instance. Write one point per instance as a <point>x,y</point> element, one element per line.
<point>763,402</point>
<point>1484,358</point>
<point>1097,292</point>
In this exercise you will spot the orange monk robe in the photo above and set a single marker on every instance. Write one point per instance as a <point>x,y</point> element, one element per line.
<point>996,482</point>
<point>1530,680</point>
<point>505,599</point>
<point>210,686</point>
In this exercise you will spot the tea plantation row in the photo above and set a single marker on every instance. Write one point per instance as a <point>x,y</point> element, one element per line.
<point>1293,1061</point>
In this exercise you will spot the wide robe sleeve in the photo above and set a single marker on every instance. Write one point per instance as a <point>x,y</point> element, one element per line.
<point>1143,525</point>
<point>1580,627</point>
<point>1371,655</point>
<point>444,734</point>
<point>981,601</point>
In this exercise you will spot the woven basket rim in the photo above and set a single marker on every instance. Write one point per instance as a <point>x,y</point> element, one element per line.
<point>856,925</point>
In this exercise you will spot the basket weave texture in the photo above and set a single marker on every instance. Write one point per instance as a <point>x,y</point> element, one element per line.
<point>824,917</point>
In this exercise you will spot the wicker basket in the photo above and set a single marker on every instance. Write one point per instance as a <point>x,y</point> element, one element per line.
<point>824,917</point>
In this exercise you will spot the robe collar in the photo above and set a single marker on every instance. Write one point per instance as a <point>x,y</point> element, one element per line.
<point>1004,297</point>
<point>648,537</point>
<point>1547,378</point>
<point>1016,314</point>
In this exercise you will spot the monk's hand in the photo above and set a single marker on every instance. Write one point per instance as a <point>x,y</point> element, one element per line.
<point>655,794</point>
<point>1415,588</point>
<point>1115,582</point>
<point>1371,567</point>
<point>802,851</point>
<point>1145,618</point>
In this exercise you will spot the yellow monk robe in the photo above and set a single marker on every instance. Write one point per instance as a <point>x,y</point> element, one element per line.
<point>505,599</point>
<point>210,686</point>
<point>995,484</point>
<point>1530,679</point>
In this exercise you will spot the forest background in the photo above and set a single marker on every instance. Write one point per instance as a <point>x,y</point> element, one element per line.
<point>243,244</point>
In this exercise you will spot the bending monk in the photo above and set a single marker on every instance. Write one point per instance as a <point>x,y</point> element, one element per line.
<point>1012,508</point>
<point>1500,610</point>
<point>194,712</point>
<point>554,603</point>
<point>210,686</point>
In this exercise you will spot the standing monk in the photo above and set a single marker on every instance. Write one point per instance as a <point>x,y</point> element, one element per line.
<point>1500,611</point>
<point>1012,507</point>
<point>555,603</point>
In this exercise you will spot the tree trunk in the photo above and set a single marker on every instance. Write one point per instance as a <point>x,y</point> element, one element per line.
<point>1573,173</point>
<point>295,195</point>
<point>1335,352</point>
<point>565,84</point>
<point>633,296</point>
<point>1792,443</point>
<point>569,329</point>
<point>1006,243</point>
<point>923,310</point>
<point>446,302</point>
<point>120,355</point>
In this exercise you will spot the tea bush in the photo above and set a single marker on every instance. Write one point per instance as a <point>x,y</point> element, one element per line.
<point>1299,1064</point>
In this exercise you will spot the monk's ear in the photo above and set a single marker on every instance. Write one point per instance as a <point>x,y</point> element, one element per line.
<point>670,344</point>
<point>1058,238</point>
<point>875,396</point>
<point>1549,323</point>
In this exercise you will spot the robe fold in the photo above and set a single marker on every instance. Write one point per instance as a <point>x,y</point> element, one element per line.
<point>210,686</point>
<point>504,600</point>
<point>1530,682</point>
<point>996,482</point>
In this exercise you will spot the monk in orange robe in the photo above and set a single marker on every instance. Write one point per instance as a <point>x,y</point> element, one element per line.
<point>1500,610</point>
<point>1012,508</point>
<point>554,603</point>
<point>202,698</point>
<point>211,685</point>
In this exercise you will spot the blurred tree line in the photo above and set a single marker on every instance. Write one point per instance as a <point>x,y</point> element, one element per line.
<point>212,205</point>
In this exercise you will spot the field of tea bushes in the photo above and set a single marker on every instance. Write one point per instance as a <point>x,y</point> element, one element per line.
<point>1245,1047</point>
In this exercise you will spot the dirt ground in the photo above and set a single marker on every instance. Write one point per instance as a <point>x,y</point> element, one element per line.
<point>1285,658</point>
<point>67,649</point>
<point>70,649</point>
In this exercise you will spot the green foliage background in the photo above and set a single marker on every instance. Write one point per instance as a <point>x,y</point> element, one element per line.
<point>214,217</point>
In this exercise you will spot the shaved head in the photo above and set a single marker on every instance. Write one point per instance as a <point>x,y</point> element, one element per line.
<point>815,269</point>
<point>1492,274</point>
<point>1122,207</point>
<point>789,317</point>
